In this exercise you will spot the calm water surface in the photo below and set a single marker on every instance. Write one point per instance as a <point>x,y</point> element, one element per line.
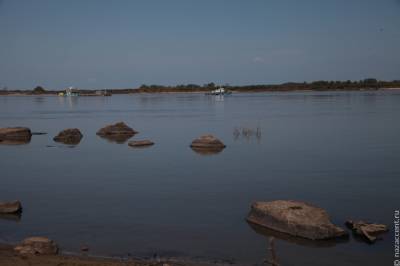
<point>338,150</point>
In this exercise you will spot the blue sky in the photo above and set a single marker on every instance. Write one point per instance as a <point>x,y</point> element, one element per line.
<point>126,43</point>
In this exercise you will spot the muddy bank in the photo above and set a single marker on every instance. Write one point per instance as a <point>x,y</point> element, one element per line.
<point>9,257</point>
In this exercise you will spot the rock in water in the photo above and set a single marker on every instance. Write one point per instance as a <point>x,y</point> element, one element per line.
<point>295,218</point>
<point>37,246</point>
<point>140,143</point>
<point>119,128</point>
<point>207,142</point>
<point>70,136</point>
<point>367,230</point>
<point>15,135</point>
<point>118,132</point>
<point>10,207</point>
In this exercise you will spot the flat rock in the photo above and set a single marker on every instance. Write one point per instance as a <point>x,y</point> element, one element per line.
<point>37,246</point>
<point>207,142</point>
<point>69,136</point>
<point>119,128</point>
<point>140,143</point>
<point>295,218</point>
<point>15,135</point>
<point>367,230</point>
<point>10,207</point>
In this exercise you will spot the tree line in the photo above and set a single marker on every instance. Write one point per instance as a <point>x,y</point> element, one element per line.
<point>366,84</point>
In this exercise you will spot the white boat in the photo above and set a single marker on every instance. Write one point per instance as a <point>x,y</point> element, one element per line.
<point>69,92</point>
<point>219,91</point>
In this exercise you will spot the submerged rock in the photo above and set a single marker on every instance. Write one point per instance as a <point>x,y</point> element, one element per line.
<point>37,246</point>
<point>15,135</point>
<point>71,136</point>
<point>10,207</point>
<point>295,218</point>
<point>140,143</point>
<point>118,132</point>
<point>207,142</point>
<point>368,230</point>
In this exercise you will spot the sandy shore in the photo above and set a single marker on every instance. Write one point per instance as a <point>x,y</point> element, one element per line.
<point>8,257</point>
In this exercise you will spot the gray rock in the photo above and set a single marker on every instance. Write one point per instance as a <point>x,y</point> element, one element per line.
<point>37,246</point>
<point>10,207</point>
<point>70,136</point>
<point>295,218</point>
<point>368,230</point>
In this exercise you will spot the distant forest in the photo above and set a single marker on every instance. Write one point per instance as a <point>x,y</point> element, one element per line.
<point>366,84</point>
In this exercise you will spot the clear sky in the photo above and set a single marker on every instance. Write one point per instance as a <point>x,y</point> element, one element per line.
<point>126,43</point>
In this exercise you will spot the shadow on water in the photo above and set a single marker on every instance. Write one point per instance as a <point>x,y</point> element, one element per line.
<point>118,139</point>
<point>297,240</point>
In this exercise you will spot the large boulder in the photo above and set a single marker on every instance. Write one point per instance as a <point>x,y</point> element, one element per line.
<point>118,132</point>
<point>140,143</point>
<point>367,230</point>
<point>10,207</point>
<point>15,135</point>
<point>37,246</point>
<point>207,143</point>
<point>296,218</point>
<point>71,136</point>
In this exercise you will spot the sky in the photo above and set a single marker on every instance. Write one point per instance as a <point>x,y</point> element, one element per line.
<point>125,43</point>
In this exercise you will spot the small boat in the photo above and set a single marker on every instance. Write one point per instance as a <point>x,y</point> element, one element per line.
<point>69,92</point>
<point>219,91</point>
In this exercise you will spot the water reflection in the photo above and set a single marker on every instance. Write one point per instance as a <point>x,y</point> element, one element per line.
<point>14,217</point>
<point>70,101</point>
<point>119,139</point>
<point>39,100</point>
<point>15,141</point>
<point>207,151</point>
<point>247,133</point>
<point>297,240</point>
<point>69,141</point>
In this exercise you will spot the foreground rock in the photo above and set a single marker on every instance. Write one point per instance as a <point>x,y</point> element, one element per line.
<point>295,218</point>
<point>368,230</point>
<point>37,246</point>
<point>70,136</point>
<point>207,144</point>
<point>118,132</point>
<point>15,135</point>
<point>140,143</point>
<point>10,207</point>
